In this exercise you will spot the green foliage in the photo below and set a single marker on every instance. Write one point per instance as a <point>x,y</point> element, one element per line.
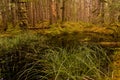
<point>82,31</point>
<point>77,63</point>
<point>30,56</point>
<point>18,55</point>
<point>67,27</point>
<point>42,24</point>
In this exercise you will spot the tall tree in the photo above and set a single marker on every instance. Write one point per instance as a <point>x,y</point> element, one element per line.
<point>63,10</point>
<point>5,13</point>
<point>22,13</point>
<point>53,13</point>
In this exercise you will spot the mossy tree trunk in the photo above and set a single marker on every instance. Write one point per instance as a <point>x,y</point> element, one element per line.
<point>4,9</point>
<point>22,14</point>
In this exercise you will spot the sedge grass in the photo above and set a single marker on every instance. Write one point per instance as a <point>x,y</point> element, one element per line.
<point>34,57</point>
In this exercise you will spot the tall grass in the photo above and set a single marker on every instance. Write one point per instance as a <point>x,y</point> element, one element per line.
<point>36,57</point>
<point>79,63</point>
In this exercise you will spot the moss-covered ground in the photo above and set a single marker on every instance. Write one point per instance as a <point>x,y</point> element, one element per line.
<point>116,65</point>
<point>107,36</point>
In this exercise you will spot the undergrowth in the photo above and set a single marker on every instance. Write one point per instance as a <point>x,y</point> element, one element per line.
<point>85,31</point>
<point>30,56</point>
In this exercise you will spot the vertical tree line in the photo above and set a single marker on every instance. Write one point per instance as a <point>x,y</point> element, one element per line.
<point>95,11</point>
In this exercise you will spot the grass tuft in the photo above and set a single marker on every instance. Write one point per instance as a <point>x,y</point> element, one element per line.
<point>28,56</point>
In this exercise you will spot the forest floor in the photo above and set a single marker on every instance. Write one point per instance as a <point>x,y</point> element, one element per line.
<point>107,36</point>
<point>83,31</point>
<point>116,65</point>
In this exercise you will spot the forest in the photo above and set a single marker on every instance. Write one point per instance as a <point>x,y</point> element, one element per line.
<point>59,39</point>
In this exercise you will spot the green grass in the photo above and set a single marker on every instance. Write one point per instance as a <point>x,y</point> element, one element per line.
<point>30,56</point>
<point>78,63</point>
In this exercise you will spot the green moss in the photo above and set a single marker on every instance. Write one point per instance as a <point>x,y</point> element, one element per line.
<point>82,31</point>
<point>42,24</point>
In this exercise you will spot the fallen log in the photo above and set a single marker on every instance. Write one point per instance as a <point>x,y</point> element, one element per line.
<point>106,44</point>
<point>110,44</point>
